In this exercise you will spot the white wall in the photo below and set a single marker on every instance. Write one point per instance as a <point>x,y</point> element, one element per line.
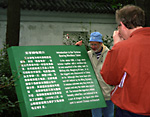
<point>2,33</point>
<point>46,28</point>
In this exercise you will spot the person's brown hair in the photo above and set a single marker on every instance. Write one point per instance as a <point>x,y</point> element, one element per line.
<point>131,16</point>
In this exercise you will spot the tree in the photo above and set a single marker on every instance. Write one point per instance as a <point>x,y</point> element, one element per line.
<point>13,23</point>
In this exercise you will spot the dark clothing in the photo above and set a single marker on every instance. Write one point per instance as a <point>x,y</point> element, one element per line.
<point>124,113</point>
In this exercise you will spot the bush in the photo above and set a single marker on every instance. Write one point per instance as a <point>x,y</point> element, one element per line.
<point>8,99</point>
<point>108,41</point>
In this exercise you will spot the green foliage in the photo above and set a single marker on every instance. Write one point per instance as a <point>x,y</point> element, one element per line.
<point>78,37</point>
<point>8,99</point>
<point>108,41</point>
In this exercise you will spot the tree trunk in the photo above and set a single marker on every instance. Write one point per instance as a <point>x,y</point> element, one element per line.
<point>145,5</point>
<point>13,23</point>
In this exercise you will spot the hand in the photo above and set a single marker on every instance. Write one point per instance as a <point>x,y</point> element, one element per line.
<point>79,43</point>
<point>117,37</point>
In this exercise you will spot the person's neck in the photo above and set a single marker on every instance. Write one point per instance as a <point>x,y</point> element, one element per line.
<point>132,30</point>
<point>100,50</point>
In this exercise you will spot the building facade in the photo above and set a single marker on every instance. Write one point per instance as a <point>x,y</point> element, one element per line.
<point>52,27</point>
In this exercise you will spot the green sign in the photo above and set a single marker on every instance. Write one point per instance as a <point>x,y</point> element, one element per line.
<point>54,79</point>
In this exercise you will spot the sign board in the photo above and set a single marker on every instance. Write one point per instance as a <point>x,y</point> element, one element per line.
<point>54,79</point>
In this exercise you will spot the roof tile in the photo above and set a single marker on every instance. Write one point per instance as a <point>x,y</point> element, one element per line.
<point>63,5</point>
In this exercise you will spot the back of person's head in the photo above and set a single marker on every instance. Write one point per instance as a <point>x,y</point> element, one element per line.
<point>131,16</point>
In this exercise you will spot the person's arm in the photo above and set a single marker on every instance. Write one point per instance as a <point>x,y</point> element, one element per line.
<point>112,71</point>
<point>79,43</point>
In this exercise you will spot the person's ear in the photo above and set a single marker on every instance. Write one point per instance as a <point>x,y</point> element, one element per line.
<point>123,26</point>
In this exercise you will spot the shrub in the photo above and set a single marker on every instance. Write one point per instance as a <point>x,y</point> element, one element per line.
<point>8,99</point>
<point>108,41</point>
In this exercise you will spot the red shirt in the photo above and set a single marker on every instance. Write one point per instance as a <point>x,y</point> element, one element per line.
<point>127,66</point>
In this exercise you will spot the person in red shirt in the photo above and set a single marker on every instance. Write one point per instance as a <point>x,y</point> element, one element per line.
<point>127,64</point>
